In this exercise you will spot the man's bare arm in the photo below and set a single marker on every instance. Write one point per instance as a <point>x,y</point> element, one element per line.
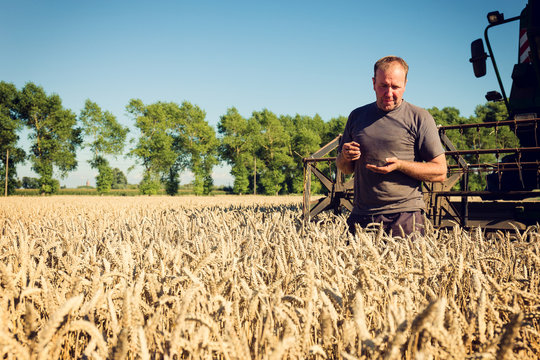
<point>433,170</point>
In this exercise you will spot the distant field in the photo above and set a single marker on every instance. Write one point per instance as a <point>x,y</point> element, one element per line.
<point>112,192</point>
<point>241,277</point>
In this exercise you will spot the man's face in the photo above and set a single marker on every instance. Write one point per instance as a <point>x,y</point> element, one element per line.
<point>389,85</point>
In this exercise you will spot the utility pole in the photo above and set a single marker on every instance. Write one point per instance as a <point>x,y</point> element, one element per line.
<point>255,175</point>
<point>7,169</point>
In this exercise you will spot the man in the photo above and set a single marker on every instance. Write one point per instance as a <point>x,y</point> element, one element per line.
<point>391,146</point>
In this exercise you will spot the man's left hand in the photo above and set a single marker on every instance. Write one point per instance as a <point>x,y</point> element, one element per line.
<point>391,165</point>
<point>433,170</point>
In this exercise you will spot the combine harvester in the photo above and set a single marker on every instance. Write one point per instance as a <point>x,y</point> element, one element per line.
<point>511,198</point>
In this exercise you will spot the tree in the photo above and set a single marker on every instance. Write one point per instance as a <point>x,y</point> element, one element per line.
<point>305,140</point>
<point>30,183</point>
<point>119,179</point>
<point>272,149</point>
<point>452,116</point>
<point>491,138</point>
<point>476,138</point>
<point>174,138</point>
<point>106,136</point>
<point>172,182</point>
<point>54,134</point>
<point>504,137</point>
<point>150,184</point>
<point>104,178</point>
<point>9,125</point>
<point>195,138</point>
<point>237,147</point>
<point>155,143</point>
<point>333,128</point>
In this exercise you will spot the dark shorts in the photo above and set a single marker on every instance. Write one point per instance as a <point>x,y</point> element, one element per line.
<point>404,223</point>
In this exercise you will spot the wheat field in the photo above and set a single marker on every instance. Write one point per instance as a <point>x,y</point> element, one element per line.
<point>241,277</point>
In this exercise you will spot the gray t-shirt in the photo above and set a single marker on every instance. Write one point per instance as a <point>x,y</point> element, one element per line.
<point>407,133</point>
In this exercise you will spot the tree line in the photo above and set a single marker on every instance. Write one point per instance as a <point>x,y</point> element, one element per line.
<point>265,151</point>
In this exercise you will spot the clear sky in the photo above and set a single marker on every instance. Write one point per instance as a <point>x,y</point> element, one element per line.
<point>289,56</point>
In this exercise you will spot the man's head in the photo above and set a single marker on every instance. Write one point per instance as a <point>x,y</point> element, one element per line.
<point>389,81</point>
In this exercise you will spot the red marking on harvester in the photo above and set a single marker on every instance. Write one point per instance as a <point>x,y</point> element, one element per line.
<point>524,48</point>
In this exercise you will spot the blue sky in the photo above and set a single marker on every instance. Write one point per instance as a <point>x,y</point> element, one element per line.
<point>291,57</point>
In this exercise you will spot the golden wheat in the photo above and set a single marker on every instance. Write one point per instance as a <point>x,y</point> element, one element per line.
<point>242,277</point>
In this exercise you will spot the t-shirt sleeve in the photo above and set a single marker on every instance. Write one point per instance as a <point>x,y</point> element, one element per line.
<point>429,142</point>
<point>346,137</point>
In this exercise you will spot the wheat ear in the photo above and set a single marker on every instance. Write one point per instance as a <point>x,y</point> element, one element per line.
<point>55,322</point>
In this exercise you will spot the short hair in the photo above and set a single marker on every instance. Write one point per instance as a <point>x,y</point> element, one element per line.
<point>385,62</point>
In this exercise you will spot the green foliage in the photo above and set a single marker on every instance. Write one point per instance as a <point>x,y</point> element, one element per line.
<point>235,138</point>
<point>48,185</point>
<point>150,185</point>
<point>13,182</point>
<point>504,137</point>
<point>53,131</point>
<point>105,137</point>
<point>241,179</point>
<point>105,177</point>
<point>198,185</point>
<point>237,147</point>
<point>476,138</point>
<point>155,143</point>
<point>172,182</point>
<point>30,183</point>
<point>197,139</point>
<point>9,125</point>
<point>270,149</point>
<point>271,181</point>
<point>306,138</point>
<point>333,128</point>
<point>119,179</point>
<point>274,149</point>
<point>16,156</point>
<point>174,138</point>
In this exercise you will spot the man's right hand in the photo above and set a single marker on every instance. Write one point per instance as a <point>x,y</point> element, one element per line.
<point>351,151</point>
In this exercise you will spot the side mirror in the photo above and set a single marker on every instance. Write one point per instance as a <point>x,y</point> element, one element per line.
<point>478,58</point>
<point>493,96</point>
